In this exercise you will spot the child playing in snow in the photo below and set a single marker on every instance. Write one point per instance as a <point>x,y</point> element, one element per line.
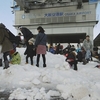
<point>30,51</point>
<point>71,58</point>
<point>15,57</point>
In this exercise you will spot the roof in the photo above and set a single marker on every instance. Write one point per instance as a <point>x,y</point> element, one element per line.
<point>30,4</point>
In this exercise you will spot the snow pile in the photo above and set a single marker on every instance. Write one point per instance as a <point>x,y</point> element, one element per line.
<point>57,79</point>
<point>33,94</point>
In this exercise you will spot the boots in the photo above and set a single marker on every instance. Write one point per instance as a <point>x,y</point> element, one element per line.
<point>0,62</point>
<point>44,65</point>
<point>37,65</point>
<point>6,64</point>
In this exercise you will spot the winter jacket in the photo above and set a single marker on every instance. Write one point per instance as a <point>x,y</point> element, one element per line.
<point>41,39</point>
<point>1,54</point>
<point>0,48</point>
<point>16,58</point>
<point>30,51</point>
<point>71,56</point>
<point>4,41</point>
<point>26,33</point>
<point>87,45</point>
<point>52,50</point>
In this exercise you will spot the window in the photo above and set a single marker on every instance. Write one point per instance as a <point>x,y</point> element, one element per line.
<point>84,17</point>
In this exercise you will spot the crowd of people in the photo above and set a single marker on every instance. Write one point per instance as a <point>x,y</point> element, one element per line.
<point>9,42</point>
<point>38,47</point>
<point>82,53</point>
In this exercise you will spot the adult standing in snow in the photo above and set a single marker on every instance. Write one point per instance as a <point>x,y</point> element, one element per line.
<point>40,44</point>
<point>87,45</point>
<point>26,33</point>
<point>6,44</point>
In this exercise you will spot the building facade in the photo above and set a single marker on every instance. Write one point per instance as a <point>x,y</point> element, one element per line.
<point>64,21</point>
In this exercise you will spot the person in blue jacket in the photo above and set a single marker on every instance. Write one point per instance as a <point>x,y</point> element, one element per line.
<point>40,44</point>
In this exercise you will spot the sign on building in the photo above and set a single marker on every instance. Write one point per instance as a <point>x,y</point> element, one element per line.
<point>93,1</point>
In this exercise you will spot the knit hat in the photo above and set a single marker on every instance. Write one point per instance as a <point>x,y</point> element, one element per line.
<point>32,40</point>
<point>12,52</point>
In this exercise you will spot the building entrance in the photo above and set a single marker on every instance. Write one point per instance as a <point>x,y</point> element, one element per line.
<point>66,38</point>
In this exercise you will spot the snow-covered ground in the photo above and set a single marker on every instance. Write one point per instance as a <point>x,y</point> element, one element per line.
<point>29,82</point>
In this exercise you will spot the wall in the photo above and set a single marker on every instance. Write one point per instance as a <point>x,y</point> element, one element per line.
<point>62,20</point>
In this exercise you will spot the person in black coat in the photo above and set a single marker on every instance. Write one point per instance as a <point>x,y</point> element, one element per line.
<point>30,51</point>
<point>26,33</point>
<point>18,39</point>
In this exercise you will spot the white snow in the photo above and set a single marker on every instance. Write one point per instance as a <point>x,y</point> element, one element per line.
<point>30,82</point>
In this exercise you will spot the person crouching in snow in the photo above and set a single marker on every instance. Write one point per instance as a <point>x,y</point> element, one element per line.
<point>30,51</point>
<point>15,57</point>
<point>71,58</point>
